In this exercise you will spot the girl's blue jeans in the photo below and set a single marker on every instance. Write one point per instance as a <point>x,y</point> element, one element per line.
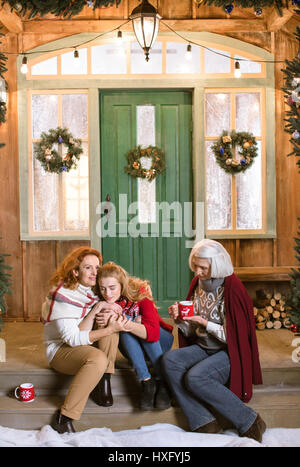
<point>198,378</point>
<point>137,350</point>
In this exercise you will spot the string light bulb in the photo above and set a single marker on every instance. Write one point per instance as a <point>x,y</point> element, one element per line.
<point>24,67</point>
<point>76,53</point>
<point>120,37</point>
<point>188,53</point>
<point>237,70</point>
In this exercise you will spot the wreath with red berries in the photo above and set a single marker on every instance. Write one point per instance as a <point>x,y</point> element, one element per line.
<point>224,149</point>
<point>137,165</point>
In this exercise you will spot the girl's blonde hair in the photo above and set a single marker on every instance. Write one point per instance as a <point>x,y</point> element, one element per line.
<point>71,263</point>
<point>132,288</point>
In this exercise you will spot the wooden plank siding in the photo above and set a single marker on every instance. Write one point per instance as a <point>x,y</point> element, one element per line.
<point>255,260</point>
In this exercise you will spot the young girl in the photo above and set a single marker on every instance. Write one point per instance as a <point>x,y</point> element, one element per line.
<point>144,332</point>
<point>68,314</point>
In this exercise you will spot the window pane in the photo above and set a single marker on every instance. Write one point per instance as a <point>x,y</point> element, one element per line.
<point>218,194</point>
<point>74,66</point>
<point>249,196</point>
<point>46,67</point>
<point>108,59</point>
<point>248,113</point>
<point>216,62</point>
<point>247,66</point>
<point>138,62</point>
<point>74,114</point>
<point>45,207</point>
<point>76,195</point>
<point>177,61</point>
<point>44,113</point>
<point>145,137</point>
<point>217,113</point>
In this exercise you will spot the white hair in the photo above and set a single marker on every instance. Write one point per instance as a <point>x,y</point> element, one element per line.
<point>217,256</point>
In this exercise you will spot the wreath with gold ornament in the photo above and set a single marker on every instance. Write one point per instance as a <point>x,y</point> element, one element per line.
<point>58,151</point>
<point>145,162</point>
<point>242,143</point>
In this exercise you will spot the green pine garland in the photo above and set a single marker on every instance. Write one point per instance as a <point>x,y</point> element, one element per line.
<point>5,285</point>
<point>64,8</point>
<point>294,300</point>
<point>257,5</point>
<point>292,95</point>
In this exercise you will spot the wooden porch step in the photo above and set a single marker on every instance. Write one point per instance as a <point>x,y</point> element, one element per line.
<point>279,407</point>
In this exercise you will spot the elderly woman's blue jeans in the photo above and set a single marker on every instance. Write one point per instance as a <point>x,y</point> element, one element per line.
<point>137,349</point>
<point>198,378</point>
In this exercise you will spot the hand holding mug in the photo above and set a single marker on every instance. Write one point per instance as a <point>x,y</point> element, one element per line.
<point>173,311</point>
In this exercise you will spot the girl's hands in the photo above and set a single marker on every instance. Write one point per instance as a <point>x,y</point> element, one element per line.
<point>103,311</point>
<point>117,323</point>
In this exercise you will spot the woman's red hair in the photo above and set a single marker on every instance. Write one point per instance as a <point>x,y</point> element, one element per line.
<point>65,272</point>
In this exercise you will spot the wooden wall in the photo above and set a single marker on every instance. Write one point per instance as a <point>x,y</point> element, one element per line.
<point>33,262</point>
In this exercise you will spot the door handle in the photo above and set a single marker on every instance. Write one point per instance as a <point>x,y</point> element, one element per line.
<point>106,210</point>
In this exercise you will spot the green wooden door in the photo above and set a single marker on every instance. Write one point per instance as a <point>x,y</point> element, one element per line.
<point>154,250</point>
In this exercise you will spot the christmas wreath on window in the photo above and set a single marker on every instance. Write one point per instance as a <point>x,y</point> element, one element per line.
<point>224,149</point>
<point>51,154</point>
<point>137,162</point>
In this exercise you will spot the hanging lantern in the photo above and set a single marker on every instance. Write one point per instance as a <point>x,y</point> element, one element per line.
<point>145,20</point>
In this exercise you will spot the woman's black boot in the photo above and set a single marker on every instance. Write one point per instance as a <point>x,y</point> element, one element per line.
<point>103,391</point>
<point>148,394</point>
<point>63,424</point>
<point>162,399</point>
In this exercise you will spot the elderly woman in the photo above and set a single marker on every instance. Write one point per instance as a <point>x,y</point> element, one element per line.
<point>69,315</point>
<point>212,372</point>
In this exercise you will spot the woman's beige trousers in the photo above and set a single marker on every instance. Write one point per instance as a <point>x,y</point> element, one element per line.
<point>88,364</point>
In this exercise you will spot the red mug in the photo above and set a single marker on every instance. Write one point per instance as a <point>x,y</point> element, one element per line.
<point>25,392</point>
<point>186,309</point>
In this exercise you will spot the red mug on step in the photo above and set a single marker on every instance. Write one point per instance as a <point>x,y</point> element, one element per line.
<point>25,392</point>
<point>186,309</point>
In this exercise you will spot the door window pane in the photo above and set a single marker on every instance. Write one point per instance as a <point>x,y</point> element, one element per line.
<point>146,137</point>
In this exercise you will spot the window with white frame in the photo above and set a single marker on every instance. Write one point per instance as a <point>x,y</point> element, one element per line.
<point>59,203</point>
<point>234,203</point>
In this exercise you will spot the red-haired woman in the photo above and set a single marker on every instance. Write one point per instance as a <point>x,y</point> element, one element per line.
<point>68,314</point>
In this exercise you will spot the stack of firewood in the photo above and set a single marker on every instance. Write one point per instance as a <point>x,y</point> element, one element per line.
<point>271,311</point>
